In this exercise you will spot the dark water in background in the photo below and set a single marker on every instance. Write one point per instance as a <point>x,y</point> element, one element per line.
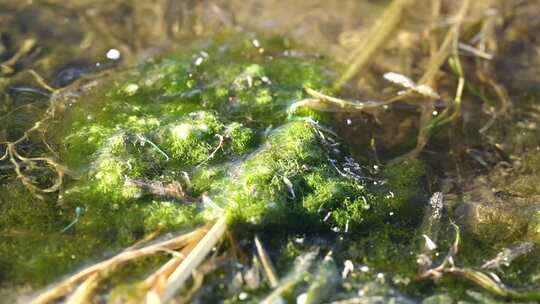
<point>70,39</point>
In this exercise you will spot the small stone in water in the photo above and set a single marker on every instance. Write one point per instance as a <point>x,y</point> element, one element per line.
<point>113,54</point>
<point>243,296</point>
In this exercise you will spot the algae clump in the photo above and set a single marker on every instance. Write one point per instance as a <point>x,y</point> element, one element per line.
<point>185,138</point>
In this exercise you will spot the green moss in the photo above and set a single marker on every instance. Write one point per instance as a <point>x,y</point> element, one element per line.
<point>191,141</point>
<point>405,191</point>
<point>406,180</point>
<point>194,111</point>
<point>189,117</point>
<point>14,214</point>
<point>241,139</point>
<point>229,75</point>
<point>203,178</point>
<point>85,140</point>
<point>168,215</point>
<point>32,249</point>
<point>212,122</point>
<point>291,177</point>
<point>264,190</point>
<point>348,202</point>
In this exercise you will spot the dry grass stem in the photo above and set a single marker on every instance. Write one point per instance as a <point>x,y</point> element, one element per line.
<point>437,59</point>
<point>269,269</point>
<point>65,287</point>
<point>488,281</point>
<point>155,284</point>
<point>378,34</point>
<point>84,292</point>
<point>179,277</point>
<point>323,102</point>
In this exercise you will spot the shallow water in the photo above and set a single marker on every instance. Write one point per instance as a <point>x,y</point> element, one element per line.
<point>485,162</point>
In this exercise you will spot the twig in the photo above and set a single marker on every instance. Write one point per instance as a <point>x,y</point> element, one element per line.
<point>323,102</point>
<point>151,236</point>
<point>507,255</point>
<point>378,34</point>
<point>269,270</point>
<point>477,277</point>
<point>83,293</point>
<point>475,51</point>
<point>144,140</point>
<point>156,283</point>
<point>496,288</point>
<point>67,285</point>
<point>41,81</point>
<point>444,50</point>
<point>193,260</point>
<point>26,47</point>
<point>213,154</point>
<point>301,267</point>
<point>437,59</point>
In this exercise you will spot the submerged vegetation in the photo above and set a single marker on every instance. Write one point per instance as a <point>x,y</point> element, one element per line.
<point>176,143</point>
<point>241,168</point>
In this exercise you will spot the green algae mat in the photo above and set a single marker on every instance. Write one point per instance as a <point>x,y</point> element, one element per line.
<point>188,139</point>
<point>216,174</point>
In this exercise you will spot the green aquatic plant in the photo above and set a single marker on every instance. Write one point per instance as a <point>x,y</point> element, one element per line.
<point>206,136</point>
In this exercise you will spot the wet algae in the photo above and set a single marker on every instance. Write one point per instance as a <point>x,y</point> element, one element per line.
<point>183,139</point>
